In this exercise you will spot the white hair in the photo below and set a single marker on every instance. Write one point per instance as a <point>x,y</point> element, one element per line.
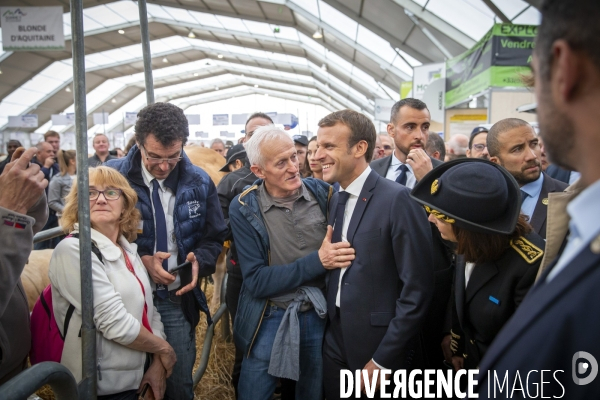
<point>264,134</point>
<point>459,143</point>
<point>215,141</point>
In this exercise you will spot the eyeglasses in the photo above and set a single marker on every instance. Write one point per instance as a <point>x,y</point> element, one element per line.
<point>156,161</point>
<point>479,147</point>
<point>387,147</point>
<point>109,194</point>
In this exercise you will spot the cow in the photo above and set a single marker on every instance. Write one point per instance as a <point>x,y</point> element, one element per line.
<point>211,162</point>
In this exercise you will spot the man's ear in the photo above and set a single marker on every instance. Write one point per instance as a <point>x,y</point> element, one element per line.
<point>567,71</point>
<point>256,170</point>
<point>361,148</point>
<point>390,130</point>
<point>495,160</point>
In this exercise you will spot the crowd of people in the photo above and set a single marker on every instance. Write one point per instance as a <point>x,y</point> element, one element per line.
<point>350,250</point>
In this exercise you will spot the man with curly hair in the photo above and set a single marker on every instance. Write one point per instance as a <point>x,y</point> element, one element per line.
<point>181,219</point>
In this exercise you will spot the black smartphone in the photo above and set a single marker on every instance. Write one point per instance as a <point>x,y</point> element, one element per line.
<point>184,271</point>
<point>180,266</point>
<point>144,390</point>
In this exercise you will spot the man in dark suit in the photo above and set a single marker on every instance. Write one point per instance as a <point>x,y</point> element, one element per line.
<point>562,175</point>
<point>376,307</point>
<point>409,127</point>
<point>556,328</point>
<point>513,144</point>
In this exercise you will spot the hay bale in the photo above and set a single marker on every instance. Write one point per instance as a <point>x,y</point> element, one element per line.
<point>216,382</point>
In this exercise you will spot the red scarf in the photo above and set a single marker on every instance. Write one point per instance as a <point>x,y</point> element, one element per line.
<point>145,322</point>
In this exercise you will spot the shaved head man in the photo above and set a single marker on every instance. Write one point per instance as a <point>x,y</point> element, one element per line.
<point>513,144</point>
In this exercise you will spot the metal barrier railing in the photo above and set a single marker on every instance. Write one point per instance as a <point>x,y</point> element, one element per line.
<point>56,375</point>
<point>210,332</point>
<point>47,234</point>
<point>207,345</point>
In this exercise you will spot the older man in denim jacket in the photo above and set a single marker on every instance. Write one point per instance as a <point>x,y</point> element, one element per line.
<point>280,228</point>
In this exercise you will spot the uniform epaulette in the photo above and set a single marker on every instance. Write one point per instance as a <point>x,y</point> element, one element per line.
<point>530,252</point>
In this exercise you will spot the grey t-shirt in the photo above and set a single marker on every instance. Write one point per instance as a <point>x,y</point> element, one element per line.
<point>296,227</point>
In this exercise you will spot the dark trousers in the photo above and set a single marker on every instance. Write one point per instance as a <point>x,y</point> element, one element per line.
<point>128,395</point>
<point>334,359</point>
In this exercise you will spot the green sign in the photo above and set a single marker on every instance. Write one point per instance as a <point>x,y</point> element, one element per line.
<point>499,59</point>
<point>405,89</point>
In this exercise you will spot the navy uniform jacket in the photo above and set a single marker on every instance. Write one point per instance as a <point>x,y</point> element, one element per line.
<point>556,320</point>
<point>494,292</point>
<point>386,292</point>
<point>538,219</point>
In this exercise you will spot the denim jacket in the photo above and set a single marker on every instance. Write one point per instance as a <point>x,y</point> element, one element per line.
<point>252,241</point>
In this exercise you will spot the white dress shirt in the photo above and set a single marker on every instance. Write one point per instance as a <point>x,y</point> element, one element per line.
<point>584,226</point>
<point>468,271</point>
<point>393,173</point>
<point>353,190</point>
<point>167,199</point>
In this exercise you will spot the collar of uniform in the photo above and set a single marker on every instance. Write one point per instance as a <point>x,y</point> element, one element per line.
<point>266,200</point>
<point>584,210</point>
<point>170,181</point>
<point>534,188</point>
<point>356,186</point>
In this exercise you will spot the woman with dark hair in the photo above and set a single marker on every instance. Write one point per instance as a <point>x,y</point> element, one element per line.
<point>476,204</point>
<point>60,185</point>
<point>312,167</point>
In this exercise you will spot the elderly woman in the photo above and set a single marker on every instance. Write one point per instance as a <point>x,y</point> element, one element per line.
<point>476,204</point>
<point>60,186</point>
<point>128,325</point>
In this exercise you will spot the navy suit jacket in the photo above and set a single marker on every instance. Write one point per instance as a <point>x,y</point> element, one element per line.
<point>555,321</point>
<point>437,323</point>
<point>385,293</point>
<point>558,173</point>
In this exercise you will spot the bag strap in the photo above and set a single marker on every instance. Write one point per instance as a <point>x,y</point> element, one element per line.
<point>67,320</point>
<point>71,308</point>
<point>95,248</point>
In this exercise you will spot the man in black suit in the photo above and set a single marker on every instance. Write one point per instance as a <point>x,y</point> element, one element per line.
<point>513,144</point>
<point>556,328</point>
<point>409,127</point>
<point>377,306</point>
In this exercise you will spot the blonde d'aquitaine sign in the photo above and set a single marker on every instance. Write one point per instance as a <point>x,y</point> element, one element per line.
<point>32,28</point>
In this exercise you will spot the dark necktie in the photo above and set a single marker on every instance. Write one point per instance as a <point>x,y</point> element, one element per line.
<point>161,234</point>
<point>524,195</point>
<point>339,217</point>
<point>401,179</point>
